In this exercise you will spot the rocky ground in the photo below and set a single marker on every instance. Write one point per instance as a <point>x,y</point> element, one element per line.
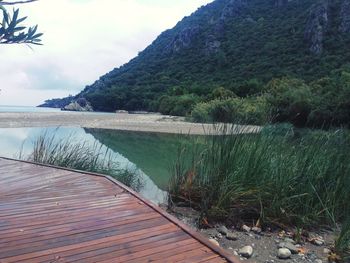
<point>268,246</point>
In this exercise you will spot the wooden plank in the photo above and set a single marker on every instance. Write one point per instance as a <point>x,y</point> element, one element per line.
<point>52,214</point>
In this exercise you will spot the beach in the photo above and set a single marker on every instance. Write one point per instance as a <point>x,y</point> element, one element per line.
<point>115,121</point>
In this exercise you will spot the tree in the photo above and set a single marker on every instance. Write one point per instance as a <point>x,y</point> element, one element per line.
<point>11,30</point>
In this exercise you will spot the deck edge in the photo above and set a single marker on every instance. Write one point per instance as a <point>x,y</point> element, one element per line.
<point>200,238</point>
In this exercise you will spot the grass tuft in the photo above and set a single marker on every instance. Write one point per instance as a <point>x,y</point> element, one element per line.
<point>278,176</point>
<point>71,153</point>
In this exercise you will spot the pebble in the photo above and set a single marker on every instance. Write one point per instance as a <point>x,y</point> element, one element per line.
<point>235,253</point>
<point>231,236</point>
<point>289,240</point>
<point>284,253</point>
<point>258,237</point>
<point>246,228</point>
<point>289,246</point>
<point>246,251</point>
<point>318,242</point>
<point>256,230</point>
<point>223,230</point>
<point>215,242</point>
<point>218,235</point>
<point>326,251</point>
<point>318,261</point>
<point>311,256</point>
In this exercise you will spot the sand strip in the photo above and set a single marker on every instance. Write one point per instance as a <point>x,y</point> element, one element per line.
<point>127,122</point>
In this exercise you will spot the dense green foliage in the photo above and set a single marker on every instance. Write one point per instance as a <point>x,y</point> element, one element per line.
<point>11,29</point>
<point>279,176</point>
<point>249,110</point>
<point>243,49</point>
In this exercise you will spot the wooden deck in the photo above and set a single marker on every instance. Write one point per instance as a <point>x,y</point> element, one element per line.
<point>49,214</point>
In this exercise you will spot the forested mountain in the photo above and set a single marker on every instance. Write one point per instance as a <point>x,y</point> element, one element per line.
<point>245,55</point>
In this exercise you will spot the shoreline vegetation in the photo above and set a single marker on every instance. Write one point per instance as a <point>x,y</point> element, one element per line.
<point>280,178</point>
<point>69,153</point>
<point>275,177</point>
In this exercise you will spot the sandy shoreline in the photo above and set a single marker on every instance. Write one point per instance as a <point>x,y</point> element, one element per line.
<point>126,122</point>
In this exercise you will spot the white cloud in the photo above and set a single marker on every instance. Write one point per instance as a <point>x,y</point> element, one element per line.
<point>83,40</point>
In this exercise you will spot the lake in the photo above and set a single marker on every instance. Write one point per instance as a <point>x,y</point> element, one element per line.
<point>151,154</point>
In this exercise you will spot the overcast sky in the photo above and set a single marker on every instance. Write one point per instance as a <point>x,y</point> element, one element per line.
<point>83,39</point>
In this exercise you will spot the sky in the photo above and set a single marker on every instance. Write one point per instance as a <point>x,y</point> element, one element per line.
<point>83,39</point>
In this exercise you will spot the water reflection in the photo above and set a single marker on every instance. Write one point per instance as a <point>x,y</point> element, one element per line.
<point>130,150</point>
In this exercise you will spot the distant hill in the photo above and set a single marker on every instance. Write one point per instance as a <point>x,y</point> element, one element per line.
<point>239,45</point>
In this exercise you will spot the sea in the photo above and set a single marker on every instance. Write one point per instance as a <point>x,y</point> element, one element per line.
<point>5,108</point>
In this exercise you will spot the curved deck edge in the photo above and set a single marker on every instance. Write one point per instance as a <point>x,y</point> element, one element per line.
<point>220,251</point>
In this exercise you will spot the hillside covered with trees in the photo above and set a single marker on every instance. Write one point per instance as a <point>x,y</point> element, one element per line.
<point>256,60</point>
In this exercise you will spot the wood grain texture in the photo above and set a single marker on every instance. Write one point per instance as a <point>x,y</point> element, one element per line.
<point>51,214</point>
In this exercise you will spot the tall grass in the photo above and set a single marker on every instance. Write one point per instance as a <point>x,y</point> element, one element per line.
<point>276,176</point>
<point>70,153</point>
<point>342,243</point>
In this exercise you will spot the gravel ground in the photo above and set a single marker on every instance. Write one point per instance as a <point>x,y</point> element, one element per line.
<point>265,244</point>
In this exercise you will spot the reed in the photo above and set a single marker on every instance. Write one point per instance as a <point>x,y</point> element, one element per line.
<point>342,244</point>
<point>71,153</point>
<point>275,177</point>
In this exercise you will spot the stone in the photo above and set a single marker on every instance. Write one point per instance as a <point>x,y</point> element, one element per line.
<point>345,17</point>
<point>326,251</point>
<point>183,39</point>
<point>223,230</point>
<point>316,26</point>
<point>289,246</point>
<point>246,228</point>
<point>289,240</point>
<point>318,241</point>
<point>311,256</point>
<point>284,253</point>
<point>256,230</point>
<point>258,237</point>
<point>246,251</point>
<point>78,106</point>
<point>318,261</point>
<point>214,241</point>
<point>212,45</point>
<point>233,8</point>
<point>231,236</point>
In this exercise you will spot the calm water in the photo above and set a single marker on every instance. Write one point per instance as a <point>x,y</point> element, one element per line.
<point>151,154</point>
<point>26,109</point>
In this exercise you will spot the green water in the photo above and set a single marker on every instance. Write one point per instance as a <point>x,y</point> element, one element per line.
<point>153,153</point>
<point>150,153</point>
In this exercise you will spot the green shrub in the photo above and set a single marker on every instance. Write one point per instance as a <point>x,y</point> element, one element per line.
<point>331,103</point>
<point>232,110</point>
<point>201,112</point>
<point>289,100</point>
<point>177,105</point>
